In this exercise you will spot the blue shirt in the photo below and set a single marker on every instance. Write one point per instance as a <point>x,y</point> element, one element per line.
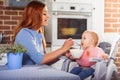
<point>32,40</point>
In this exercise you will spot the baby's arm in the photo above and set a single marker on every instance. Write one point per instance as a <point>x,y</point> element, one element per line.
<point>67,54</point>
<point>104,56</point>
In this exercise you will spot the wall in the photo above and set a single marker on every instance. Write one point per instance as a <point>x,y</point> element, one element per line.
<point>9,18</point>
<point>112,22</point>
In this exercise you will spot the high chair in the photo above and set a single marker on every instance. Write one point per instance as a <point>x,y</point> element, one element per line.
<point>104,69</point>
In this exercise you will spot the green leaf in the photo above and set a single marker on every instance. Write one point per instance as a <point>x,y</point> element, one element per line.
<point>13,48</point>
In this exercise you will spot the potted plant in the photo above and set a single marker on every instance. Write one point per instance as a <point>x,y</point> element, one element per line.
<point>14,55</point>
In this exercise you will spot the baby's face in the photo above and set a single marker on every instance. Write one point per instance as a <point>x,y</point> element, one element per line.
<point>86,40</point>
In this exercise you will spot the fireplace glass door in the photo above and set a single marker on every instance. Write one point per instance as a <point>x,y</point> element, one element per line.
<point>71,28</point>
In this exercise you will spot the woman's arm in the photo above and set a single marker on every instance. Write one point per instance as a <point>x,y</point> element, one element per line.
<point>27,39</point>
<point>48,57</point>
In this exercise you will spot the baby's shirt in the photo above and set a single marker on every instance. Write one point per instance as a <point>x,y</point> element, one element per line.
<point>93,53</point>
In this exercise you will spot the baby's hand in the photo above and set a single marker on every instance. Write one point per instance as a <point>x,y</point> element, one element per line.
<point>67,54</point>
<point>105,56</point>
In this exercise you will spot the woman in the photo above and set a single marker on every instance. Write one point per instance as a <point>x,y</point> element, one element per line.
<point>30,33</point>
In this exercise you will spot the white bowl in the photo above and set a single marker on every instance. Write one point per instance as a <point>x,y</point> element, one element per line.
<point>76,53</point>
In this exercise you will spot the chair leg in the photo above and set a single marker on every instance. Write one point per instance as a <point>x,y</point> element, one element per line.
<point>115,76</point>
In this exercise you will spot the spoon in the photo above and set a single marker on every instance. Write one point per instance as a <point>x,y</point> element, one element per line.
<point>77,44</point>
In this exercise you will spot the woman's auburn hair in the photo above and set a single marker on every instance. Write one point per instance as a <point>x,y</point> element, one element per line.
<point>32,17</point>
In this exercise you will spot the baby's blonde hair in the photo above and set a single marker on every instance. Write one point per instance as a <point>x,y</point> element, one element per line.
<point>95,37</point>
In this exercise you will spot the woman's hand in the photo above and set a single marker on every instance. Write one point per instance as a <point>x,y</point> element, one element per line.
<point>67,44</point>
